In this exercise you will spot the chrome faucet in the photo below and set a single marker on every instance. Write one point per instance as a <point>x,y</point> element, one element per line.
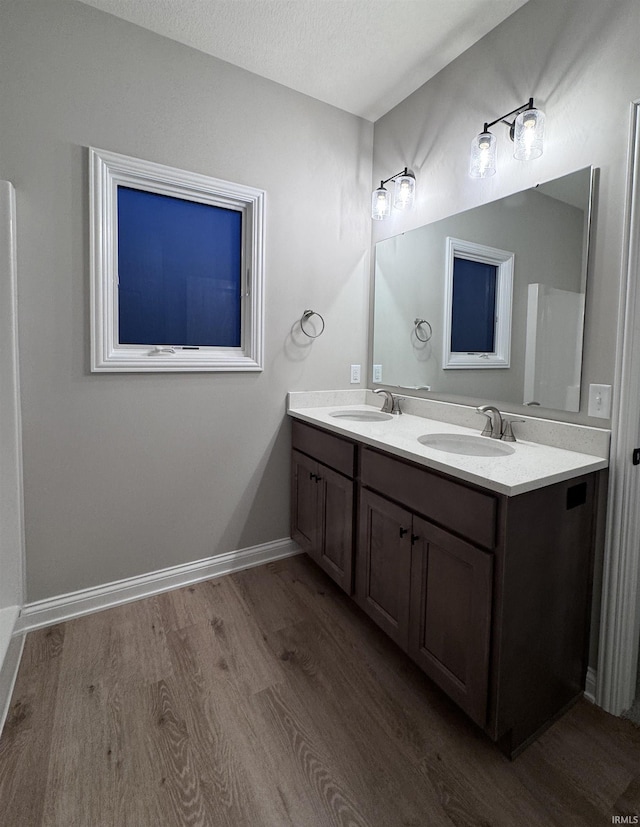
<point>493,428</point>
<point>498,426</point>
<point>391,404</point>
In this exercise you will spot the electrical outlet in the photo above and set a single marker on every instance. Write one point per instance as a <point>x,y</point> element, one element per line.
<point>600,401</point>
<point>377,373</point>
<point>355,374</point>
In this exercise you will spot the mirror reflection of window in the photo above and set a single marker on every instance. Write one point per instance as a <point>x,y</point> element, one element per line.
<point>477,306</point>
<point>473,309</point>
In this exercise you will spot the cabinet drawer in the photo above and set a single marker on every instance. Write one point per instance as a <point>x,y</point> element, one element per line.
<point>331,450</point>
<point>452,505</point>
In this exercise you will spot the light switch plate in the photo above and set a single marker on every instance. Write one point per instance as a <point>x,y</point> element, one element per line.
<point>600,401</point>
<point>377,373</point>
<point>355,374</point>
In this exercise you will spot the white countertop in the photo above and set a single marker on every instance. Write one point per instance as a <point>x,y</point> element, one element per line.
<point>532,465</point>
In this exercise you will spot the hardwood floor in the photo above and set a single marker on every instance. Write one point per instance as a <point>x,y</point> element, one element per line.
<point>267,699</point>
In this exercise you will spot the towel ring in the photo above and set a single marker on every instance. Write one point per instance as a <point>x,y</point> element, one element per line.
<point>419,329</point>
<point>305,318</point>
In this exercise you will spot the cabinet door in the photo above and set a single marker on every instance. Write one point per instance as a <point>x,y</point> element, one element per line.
<point>304,504</point>
<point>336,526</point>
<point>383,566</point>
<point>451,588</point>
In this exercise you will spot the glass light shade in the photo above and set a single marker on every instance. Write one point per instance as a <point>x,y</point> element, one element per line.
<point>483,156</point>
<point>405,191</point>
<point>380,203</point>
<point>528,135</point>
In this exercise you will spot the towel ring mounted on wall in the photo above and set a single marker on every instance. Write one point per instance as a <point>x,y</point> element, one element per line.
<point>421,333</point>
<point>305,318</point>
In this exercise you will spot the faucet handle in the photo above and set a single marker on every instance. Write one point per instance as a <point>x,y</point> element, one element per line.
<point>507,432</point>
<point>395,408</point>
<point>488,428</point>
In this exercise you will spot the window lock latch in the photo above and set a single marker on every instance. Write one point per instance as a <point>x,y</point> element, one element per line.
<point>161,351</point>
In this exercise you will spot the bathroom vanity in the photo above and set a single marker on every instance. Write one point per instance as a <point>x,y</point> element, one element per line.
<point>479,568</point>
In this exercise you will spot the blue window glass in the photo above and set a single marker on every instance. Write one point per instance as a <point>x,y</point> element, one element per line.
<point>179,271</point>
<point>474,306</point>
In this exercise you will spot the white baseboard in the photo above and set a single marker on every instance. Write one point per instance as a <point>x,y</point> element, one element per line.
<point>75,604</point>
<point>590,685</point>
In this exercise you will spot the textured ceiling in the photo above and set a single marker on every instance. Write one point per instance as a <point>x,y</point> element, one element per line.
<point>364,56</point>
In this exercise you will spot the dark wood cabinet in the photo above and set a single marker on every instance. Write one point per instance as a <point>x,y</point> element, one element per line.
<point>304,503</point>
<point>450,615</point>
<point>431,592</point>
<point>462,508</point>
<point>322,514</point>
<point>383,565</point>
<point>542,609</point>
<point>490,595</point>
<point>336,513</point>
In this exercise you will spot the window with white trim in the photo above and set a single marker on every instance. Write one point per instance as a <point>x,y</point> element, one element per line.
<point>177,269</point>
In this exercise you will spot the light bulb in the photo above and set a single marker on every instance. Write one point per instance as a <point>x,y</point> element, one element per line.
<point>405,191</point>
<point>380,203</point>
<point>528,133</point>
<point>482,163</point>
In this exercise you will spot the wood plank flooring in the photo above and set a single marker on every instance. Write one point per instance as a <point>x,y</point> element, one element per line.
<point>267,699</point>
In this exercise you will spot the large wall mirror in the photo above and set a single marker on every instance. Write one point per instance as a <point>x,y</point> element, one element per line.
<point>434,283</point>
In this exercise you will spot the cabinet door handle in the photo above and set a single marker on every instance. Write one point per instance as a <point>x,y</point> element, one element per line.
<point>414,538</point>
<point>403,531</point>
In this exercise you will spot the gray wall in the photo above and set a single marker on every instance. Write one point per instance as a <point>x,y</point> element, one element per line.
<point>580,60</point>
<point>126,474</point>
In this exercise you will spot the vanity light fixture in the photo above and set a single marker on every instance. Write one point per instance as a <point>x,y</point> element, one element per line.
<point>526,131</point>
<point>403,197</point>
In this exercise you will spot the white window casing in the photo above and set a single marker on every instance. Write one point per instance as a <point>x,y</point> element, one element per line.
<point>107,171</point>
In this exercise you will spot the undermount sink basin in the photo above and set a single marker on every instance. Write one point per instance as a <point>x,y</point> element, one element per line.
<point>362,416</point>
<point>473,446</point>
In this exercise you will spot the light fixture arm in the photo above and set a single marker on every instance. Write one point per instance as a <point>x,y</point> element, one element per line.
<point>405,187</point>
<point>526,130</point>
<point>405,171</point>
<point>510,124</point>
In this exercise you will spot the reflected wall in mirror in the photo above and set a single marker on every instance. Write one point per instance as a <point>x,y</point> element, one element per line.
<point>547,230</point>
